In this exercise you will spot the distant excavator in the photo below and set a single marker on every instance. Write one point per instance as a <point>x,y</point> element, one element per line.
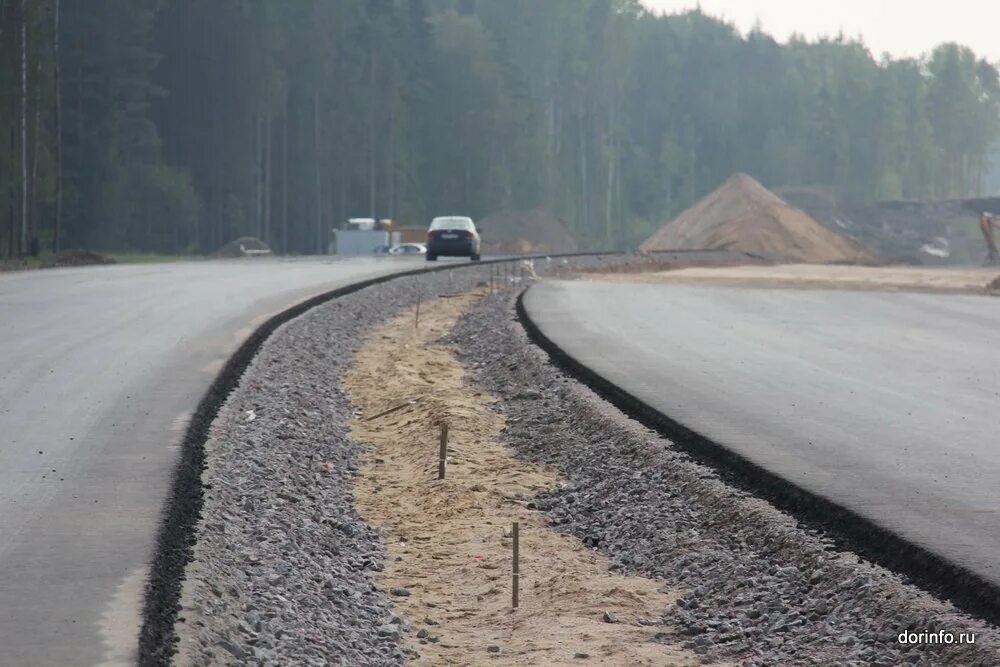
<point>988,222</point>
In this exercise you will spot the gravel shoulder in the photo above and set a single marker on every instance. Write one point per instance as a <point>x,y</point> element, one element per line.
<point>758,587</point>
<point>282,567</point>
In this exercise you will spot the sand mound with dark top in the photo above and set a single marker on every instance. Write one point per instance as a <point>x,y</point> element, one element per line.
<point>526,231</point>
<point>246,246</point>
<point>743,215</point>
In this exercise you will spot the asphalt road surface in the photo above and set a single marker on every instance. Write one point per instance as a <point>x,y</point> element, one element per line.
<point>886,403</point>
<point>100,368</point>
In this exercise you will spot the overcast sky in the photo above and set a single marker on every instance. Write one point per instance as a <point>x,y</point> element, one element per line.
<point>901,27</point>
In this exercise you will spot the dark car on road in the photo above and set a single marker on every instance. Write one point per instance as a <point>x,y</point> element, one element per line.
<point>452,236</point>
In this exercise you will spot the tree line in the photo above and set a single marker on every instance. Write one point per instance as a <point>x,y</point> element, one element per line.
<point>178,125</point>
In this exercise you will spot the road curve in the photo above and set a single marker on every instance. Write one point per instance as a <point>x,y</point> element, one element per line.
<point>99,369</point>
<point>884,403</point>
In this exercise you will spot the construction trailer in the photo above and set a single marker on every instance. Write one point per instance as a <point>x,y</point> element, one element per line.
<point>362,236</point>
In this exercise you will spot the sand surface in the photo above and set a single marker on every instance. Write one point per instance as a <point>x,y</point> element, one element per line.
<point>449,541</point>
<point>902,278</point>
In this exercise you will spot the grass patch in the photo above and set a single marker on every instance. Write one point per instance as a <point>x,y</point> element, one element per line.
<point>20,263</point>
<point>47,260</point>
<point>149,257</point>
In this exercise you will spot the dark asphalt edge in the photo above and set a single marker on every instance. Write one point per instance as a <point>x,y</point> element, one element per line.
<point>179,519</point>
<point>849,530</point>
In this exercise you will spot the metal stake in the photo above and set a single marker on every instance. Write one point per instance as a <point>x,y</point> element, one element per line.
<point>443,452</point>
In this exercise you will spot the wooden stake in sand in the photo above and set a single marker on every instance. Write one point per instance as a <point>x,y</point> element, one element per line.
<point>393,409</point>
<point>416,321</point>
<point>517,570</point>
<point>443,451</point>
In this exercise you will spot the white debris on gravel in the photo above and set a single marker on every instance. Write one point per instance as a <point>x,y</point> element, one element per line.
<point>756,586</point>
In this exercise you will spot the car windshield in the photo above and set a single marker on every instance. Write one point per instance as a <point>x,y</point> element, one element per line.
<point>452,223</point>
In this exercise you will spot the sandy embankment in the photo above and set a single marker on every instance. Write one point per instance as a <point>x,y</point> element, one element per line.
<point>894,278</point>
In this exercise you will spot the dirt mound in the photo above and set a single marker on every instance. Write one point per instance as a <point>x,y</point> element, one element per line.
<point>76,258</point>
<point>536,230</point>
<point>245,246</point>
<point>744,215</point>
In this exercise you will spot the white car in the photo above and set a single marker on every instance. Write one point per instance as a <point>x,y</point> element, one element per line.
<point>408,249</point>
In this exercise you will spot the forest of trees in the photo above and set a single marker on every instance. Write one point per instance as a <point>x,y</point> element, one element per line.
<point>177,125</point>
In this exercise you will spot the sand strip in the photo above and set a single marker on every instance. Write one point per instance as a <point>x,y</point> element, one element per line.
<point>891,278</point>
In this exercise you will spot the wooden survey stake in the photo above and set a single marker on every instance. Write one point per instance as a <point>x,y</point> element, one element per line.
<point>517,572</point>
<point>443,452</point>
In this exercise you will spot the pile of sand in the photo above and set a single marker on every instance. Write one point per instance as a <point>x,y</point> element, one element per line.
<point>743,215</point>
<point>245,246</point>
<point>526,231</point>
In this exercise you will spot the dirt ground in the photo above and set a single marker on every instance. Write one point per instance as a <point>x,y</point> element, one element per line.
<point>448,566</point>
<point>902,278</point>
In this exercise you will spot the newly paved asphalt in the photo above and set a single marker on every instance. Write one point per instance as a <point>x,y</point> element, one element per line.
<point>99,369</point>
<point>886,403</point>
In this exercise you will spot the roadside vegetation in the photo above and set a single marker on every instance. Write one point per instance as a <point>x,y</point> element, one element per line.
<point>48,260</point>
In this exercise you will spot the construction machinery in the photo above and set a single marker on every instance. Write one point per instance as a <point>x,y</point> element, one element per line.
<point>988,223</point>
